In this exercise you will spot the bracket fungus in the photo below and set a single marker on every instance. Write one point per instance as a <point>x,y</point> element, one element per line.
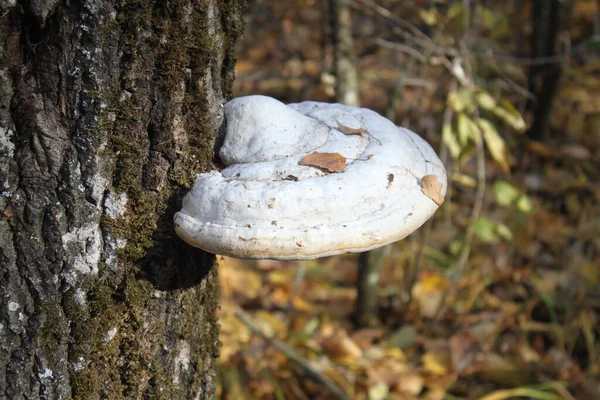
<point>309,180</point>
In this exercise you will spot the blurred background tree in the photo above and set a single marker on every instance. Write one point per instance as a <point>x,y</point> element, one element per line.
<point>498,296</point>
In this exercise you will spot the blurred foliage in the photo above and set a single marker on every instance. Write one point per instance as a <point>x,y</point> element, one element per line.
<point>521,319</point>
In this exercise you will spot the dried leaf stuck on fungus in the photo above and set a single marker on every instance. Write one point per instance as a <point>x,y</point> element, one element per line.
<point>346,130</point>
<point>330,162</point>
<point>432,188</point>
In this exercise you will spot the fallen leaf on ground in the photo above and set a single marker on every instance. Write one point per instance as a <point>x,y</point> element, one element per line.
<point>386,371</point>
<point>340,345</point>
<point>436,364</point>
<point>330,162</point>
<point>432,188</point>
<point>379,391</point>
<point>411,383</point>
<point>366,336</point>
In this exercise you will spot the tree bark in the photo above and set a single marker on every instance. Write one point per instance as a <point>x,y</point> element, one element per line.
<point>107,111</point>
<point>366,306</point>
<point>543,79</point>
<point>346,83</point>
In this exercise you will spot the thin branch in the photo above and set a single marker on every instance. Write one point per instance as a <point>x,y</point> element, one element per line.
<point>444,153</point>
<point>397,90</point>
<point>419,92</point>
<point>495,55</point>
<point>298,279</point>
<point>313,373</point>
<point>508,83</point>
<point>408,31</point>
<point>414,35</point>
<point>463,258</point>
<point>414,269</point>
<point>454,67</point>
<point>384,12</point>
<point>477,207</point>
<point>418,83</point>
<point>402,48</point>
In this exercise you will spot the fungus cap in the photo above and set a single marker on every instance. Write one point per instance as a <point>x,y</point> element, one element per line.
<point>310,180</point>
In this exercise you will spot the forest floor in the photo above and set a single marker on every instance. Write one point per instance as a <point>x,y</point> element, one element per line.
<point>504,304</point>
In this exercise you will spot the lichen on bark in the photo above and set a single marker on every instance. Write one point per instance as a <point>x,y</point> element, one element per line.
<point>108,109</point>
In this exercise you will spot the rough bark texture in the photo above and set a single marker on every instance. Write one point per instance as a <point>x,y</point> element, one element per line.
<point>107,111</point>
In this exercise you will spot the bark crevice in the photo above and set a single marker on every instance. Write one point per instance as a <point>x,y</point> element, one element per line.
<point>107,111</point>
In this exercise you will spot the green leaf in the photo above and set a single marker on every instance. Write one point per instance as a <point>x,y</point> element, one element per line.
<point>504,231</point>
<point>464,180</point>
<point>506,394</point>
<point>467,130</point>
<point>485,100</point>
<point>506,194</point>
<point>485,229</point>
<point>488,17</point>
<point>462,100</point>
<point>463,129</point>
<point>495,144</point>
<point>455,247</point>
<point>428,16</point>
<point>502,28</point>
<point>507,105</point>
<point>509,196</point>
<point>455,10</point>
<point>449,138</point>
<point>510,116</point>
<point>524,204</point>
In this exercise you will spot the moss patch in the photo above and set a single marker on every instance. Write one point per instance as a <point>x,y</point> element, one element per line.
<point>160,55</point>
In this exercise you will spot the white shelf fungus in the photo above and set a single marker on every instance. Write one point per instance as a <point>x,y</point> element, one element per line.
<point>310,180</point>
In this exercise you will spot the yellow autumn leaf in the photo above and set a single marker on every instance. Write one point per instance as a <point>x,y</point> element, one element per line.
<point>411,383</point>
<point>486,100</point>
<point>434,283</point>
<point>395,354</point>
<point>467,130</point>
<point>436,364</point>
<point>270,324</point>
<point>379,391</point>
<point>281,276</point>
<point>462,100</point>
<point>495,144</point>
<point>530,393</point>
<point>510,116</point>
<point>449,138</point>
<point>301,304</point>
<point>428,16</point>
<point>464,180</point>
<point>429,293</point>
<point>237,279</point>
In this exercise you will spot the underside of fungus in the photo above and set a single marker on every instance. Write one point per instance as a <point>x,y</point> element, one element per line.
<point>310,180</point>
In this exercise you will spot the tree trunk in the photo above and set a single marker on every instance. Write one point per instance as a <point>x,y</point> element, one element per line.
<point>346,83</point>
<point>108,109</point>
<point>543,79</point>
<point>366,306</point>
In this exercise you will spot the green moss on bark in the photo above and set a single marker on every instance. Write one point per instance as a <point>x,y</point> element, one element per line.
<point>119,367</point>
